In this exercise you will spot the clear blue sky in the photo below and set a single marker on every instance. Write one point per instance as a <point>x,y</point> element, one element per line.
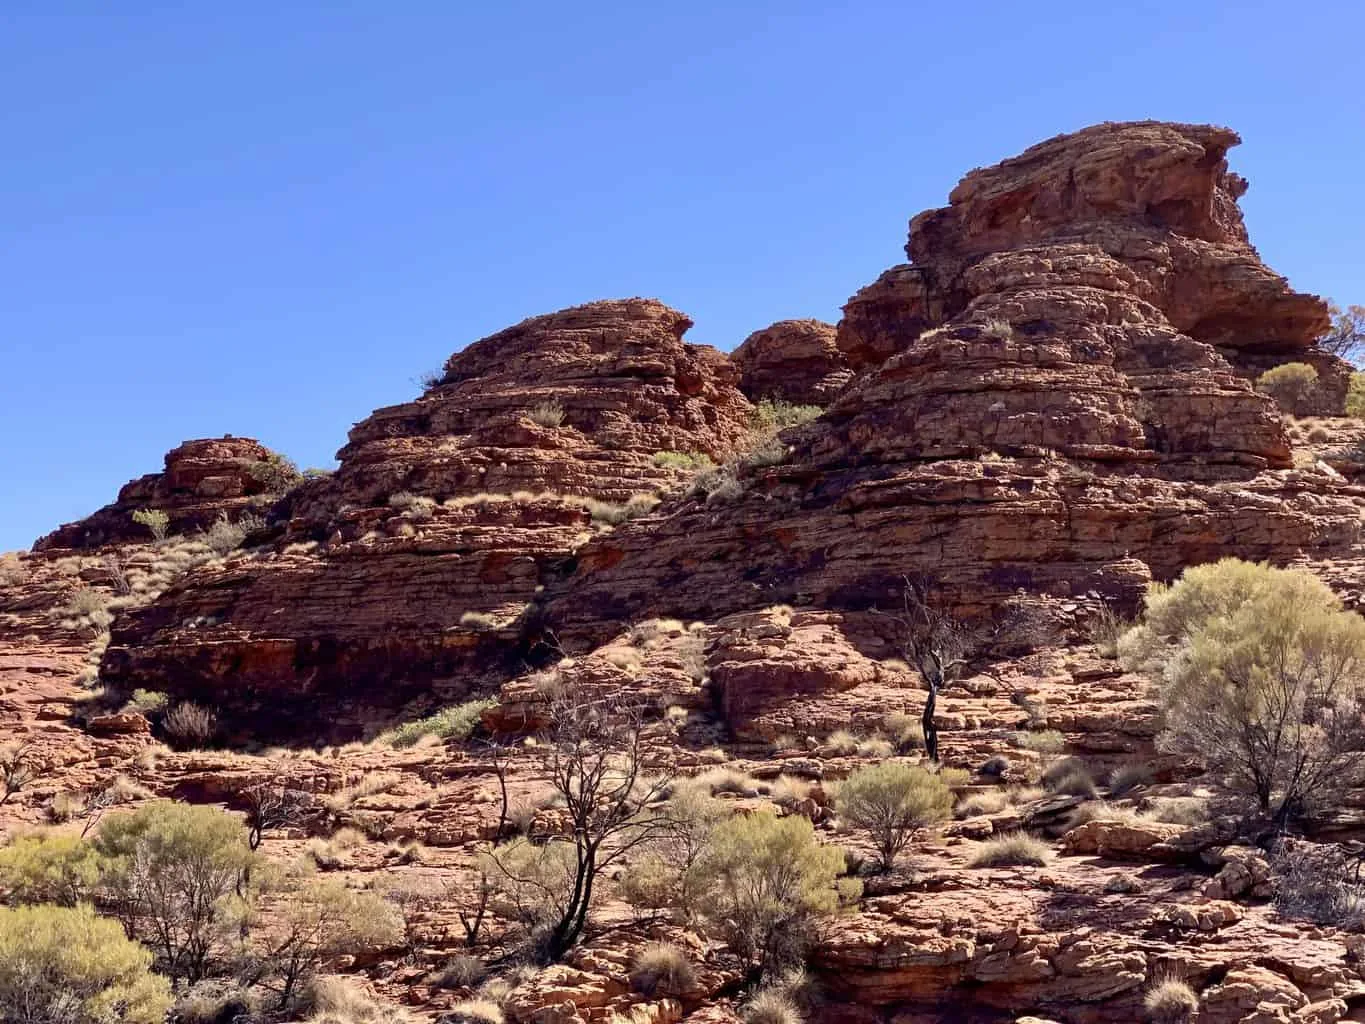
<point>267,219</point>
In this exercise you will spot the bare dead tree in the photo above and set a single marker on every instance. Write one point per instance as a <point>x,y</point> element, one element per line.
<point>939,644</point>
<point>19,766</point>
<point>595,762</point>
<point>271,805</point>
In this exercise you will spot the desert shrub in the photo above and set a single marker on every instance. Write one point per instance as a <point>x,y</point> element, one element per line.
<point>651,631</point>
<point>460,971</point>
<point>453,723</point>
<point>547,414</point>
<point>995,766</point>
<point>772,1006</point>
<point>67,965</point>
<point>533,882</point>
<point>1170,1000</point>
<point>890,801</point>
<point>19,768</point>
<point>337,1000</point>
<point>474,1011</point>
<point>991,801</point>
<point>662,969</point>
<point>1043,741</point>
<point>770,882</point>
<point>1102,810</point>
<point>682,460</point>
<point>66,806</point>
<point>649,884</point>
<point>906,731</point>
<point>615,514</point>
<point>1317,882</point>
<point>1070,777</point>
<point>49,869</point>
<point>772,415</point>
<point>189,725</point>
<point>147,702</point>
<point>174,871</point>
<point>157,521</point>
<point>1289,384</point>
<point>998,328</point>
<point>275,473</point>
<point>86,601</point>
<point>322,922</point>
<point>840,743</point>
<point>225,536</point>
<point>215,1001</point>
<point>1106,627</point>
<point>1178,810</point>
<point>721,779</point>
<point>716,484</point>
<point>1128,777</point>
<point>1013,849</point>
<point>1355,396</point>
<point>771,452</point>
<point>1261,674</point>
<point>788,791</point>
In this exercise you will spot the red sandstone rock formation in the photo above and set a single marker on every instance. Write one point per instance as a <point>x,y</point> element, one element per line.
<point>793,360</point>
<point>1047,403</point>
<point>412,570</point>
<point>202,480</point>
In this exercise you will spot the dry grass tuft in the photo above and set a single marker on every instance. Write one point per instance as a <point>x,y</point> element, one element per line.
<point>1014,849</point>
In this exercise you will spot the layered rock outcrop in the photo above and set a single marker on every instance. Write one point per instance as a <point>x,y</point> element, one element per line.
<point>412,570</point>
<point>202,480</point>
<point>794,361</point>
<point>1049,401</point>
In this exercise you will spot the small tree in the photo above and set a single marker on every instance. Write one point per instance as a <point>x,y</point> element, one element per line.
<point>322,922</point>
<point>595,764</point>
<point>1262,676</point>
<point>276,473</point>
<point>49,869</point>
<point>1347,335</point>
<point>890,800</point>
<point>61,965</point>
<point>155,520</point>
<point>272,805</point>
<point>771,881</point>
<point>1290,384</point>
<point>174,873</point>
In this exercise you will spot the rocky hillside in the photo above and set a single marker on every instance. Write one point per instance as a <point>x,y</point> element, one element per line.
<point>1052,405</point>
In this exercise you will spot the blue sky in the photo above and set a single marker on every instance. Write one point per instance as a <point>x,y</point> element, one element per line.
<point>268,219</point>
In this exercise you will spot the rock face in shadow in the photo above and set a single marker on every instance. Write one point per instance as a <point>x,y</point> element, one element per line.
<point>202,480</point>
<point>793,361</point>
<point>412,570</point>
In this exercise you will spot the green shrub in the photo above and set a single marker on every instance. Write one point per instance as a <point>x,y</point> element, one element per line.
<point>662,969</point>
<point>1259,671</point>
<point>147,702</point>
<point>682,460</point>
<point>1355,396</point>
<point>770,882</point>
<point>57,869</point>
<point>547,414</point>
<point>174,871</point>
<point>1289,384</point>
<point>157,521</point>
<point>275,473</point>
<point>1013,849</point>
<point>453,723</point>
<point>63,965</point>
<point>322,922</point>
<point>890,801</point>
<point>772,415</point>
